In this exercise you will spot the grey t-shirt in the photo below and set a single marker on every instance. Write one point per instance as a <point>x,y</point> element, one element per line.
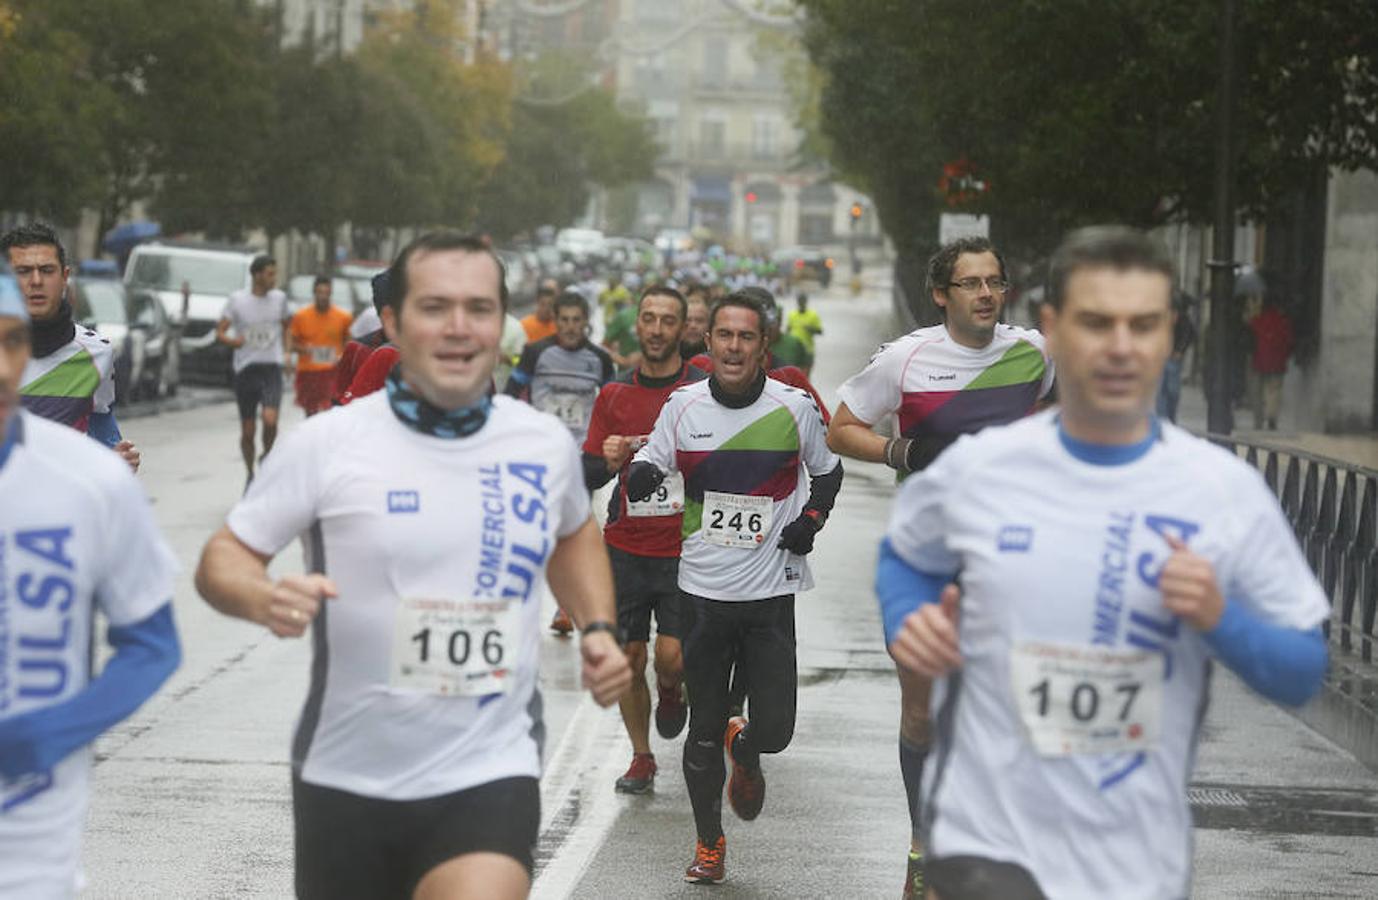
<point>562,382</point>
<point>259,321</point>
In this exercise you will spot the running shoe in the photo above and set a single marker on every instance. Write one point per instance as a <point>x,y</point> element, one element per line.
<point>709,863</point>
<point>641,775</point>
<point>561,624</point>
<point>671,712</point>
<point>746,790</point>
<point>913,879</point>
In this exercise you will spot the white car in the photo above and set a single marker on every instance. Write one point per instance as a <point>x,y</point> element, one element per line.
<point>582,246</point>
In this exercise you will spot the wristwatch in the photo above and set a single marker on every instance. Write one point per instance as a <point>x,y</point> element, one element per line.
<point>609,627</point>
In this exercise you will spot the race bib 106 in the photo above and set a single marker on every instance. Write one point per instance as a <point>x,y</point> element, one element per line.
<point>736,520</point>
<point>1084,700</point>
<point>464,648</point>
<point>668,499</point>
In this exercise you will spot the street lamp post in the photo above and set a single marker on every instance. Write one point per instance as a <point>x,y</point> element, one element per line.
<point>1219,402</point>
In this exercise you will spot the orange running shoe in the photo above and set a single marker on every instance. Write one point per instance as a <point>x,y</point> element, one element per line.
<point>561,624</point>
<point>710,863</point>
<point>746,790</point>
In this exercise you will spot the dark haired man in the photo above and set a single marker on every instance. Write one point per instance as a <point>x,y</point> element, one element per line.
<point>1105,558</point>
<point>70,376</point>
<point>416,759</point>
<point>319,334</point>
<point>562,375</point>
<point>258,316</point>
<point>644,538</point>
<point>759,482</point>
<point>942,382</point>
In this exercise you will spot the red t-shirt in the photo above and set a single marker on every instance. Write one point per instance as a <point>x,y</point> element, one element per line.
<point>629,406</point>
<point>790,375</point>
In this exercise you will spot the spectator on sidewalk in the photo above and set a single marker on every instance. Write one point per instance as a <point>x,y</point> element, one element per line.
<point>1183,337</point>
<point>1274,340</point>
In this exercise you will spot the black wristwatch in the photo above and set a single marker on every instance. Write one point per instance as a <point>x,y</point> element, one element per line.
<point>609,627</point>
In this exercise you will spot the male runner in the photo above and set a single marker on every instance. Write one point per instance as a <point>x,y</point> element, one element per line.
<point>942,381</point>
<point>644,538</point>
<point>416,759</point>
<point>258,315</point>
<point>695,323</point>
<point>76,535</point>
<point>759,482</point>
<point>1105,557</point>
<point>539,324</point>
<point>319,334</point>
<point>70,377</point>
<point>562,375</point>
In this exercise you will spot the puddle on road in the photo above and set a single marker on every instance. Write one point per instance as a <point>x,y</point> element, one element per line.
<point>1300,811</point>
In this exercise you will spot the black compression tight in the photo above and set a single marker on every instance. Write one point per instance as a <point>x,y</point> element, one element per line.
<point>758,636</point>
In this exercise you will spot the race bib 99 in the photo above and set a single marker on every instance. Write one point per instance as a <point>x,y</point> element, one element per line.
<point>464,648</point>
<point>736,520</point>
<point>1084,700</point>
<point>668,499</point>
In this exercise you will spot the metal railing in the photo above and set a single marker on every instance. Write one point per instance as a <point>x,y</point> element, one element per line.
<point>1333,508</point>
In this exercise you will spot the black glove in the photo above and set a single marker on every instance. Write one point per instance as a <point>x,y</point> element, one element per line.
<point>797,536</point>
<point>642,480</point>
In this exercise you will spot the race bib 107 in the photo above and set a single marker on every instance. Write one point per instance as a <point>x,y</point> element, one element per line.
<point>1084,700</point>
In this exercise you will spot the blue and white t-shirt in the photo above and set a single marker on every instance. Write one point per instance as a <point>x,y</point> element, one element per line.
<point>424,674</point>
<point>1064,742</point>
<point>77,534</point>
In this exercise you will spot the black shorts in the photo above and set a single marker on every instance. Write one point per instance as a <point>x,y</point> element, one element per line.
<point>352,846</point>
<point>978,878</point>
<point>257,383</point>
<point>644,584</point>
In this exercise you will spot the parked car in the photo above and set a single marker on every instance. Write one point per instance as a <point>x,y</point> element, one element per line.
<point>582,246</point>
<point>521,279</point>
<point>147,355</point>
<point>212,274</point>
<point>360,274</point>
<point>799,263</point>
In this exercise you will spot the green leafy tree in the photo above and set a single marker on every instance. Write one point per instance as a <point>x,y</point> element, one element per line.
<point>1078,111</point>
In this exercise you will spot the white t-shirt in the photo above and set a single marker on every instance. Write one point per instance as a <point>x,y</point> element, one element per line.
<point>1059,560</point>
<point>398,519</point>
<point>746,476</point>
<point>76,534</point>
<point>259,320</point>
<point>939,387</point>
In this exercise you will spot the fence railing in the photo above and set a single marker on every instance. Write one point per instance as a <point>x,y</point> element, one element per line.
<point>1333,508</point>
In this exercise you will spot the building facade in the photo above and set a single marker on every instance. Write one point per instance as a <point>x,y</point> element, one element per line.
<point>712,82</point>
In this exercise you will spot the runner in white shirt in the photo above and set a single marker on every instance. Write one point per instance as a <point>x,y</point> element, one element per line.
<point>259,319</point>
<point>938,383</point>
<point>1104,559</point>
<point>759,482</point>
<point>416,758</point>
<point>76,535</point>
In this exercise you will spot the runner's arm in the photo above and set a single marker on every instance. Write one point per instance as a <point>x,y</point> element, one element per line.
<point>850,436</point>
<point>519,382</point>
<point>1286,665</point>
<point>222,333</point>
<point>146,653</point>
<point>580,577</point>
<point>233,578</point>
<point>596,472</point>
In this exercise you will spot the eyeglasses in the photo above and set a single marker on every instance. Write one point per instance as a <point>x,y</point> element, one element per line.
<point>973,284</point>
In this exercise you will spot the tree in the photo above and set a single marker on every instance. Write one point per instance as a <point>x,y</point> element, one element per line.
<point>556,152</point>
<point>1080,111</point>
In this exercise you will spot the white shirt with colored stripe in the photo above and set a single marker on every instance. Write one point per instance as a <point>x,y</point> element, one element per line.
<point>939,387</point>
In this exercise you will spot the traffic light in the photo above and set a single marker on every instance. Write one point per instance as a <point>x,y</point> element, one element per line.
<point>856,211</point>
<point>751,197</point>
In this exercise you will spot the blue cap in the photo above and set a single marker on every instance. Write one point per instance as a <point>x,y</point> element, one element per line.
<point>11,300</point>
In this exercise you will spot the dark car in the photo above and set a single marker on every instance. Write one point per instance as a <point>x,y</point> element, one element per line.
<point>147,354</point>
<point>799,263</point>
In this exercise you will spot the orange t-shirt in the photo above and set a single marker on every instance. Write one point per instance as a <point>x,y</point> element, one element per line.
<point>320,337</point>
<point>536,330</point>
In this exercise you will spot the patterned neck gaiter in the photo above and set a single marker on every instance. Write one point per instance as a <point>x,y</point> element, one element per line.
<point>418,413</point>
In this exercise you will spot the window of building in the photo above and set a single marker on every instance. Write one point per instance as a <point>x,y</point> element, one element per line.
<point>764,137</point>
